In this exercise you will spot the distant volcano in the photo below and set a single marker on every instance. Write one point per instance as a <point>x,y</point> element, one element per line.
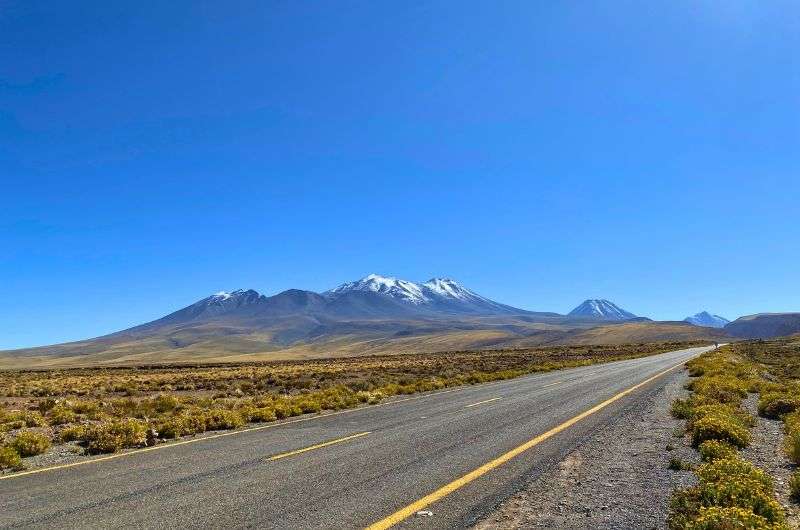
<point>601,309</point>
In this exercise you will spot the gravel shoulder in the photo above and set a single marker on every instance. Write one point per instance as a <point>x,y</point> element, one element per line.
<point>618,478</point>
<point>766,451</point>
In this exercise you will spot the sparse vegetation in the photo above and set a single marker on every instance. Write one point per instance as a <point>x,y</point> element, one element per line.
<point>794,485</point>
<point>28,443</point>
<point>728,490</point>
<point>676,464</point>
<point>713,450</point>
<point>116,435</point>
<point>109,409</point>
<point>731,492</point>
<point>10,459</point>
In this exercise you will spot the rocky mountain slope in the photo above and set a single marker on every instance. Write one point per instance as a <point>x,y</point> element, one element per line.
<point>765,325</point>
<point>708,320</point>
<point>601,310</point>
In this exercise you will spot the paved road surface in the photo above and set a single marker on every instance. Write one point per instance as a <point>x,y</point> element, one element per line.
<point>383,458</point>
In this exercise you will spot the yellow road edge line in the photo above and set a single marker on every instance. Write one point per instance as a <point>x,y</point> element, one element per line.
<point>404,513</point>
<point>482,402</point>
<point>318,446</point>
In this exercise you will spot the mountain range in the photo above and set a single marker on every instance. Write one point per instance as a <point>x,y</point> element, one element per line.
<point>374,314</point>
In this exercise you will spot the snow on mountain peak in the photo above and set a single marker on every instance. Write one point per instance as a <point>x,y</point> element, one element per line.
<point>706,319</point>
<point>402,289</point>
<point>448,288</point>
<point>439,294</point>
<point>601,308</point>
<point>226,295</point>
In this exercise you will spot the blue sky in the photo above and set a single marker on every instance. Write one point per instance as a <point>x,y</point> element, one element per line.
<point>539,152</point>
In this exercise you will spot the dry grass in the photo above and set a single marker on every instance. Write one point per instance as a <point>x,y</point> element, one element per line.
<point>232,344</point>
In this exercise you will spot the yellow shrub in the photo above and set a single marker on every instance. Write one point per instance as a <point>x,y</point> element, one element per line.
<point>712,450</point>
<point>60,415</point>
<point>72,433</point>
<point>794,485</point>
<point>10,459</point>
<point>29,443</point>
<point>719,427</point>
<point>776,404</point>
<point>722,388</point>
<point>219,419</point>
<point>730,518</point>
<point>111,437</point>
<point>792,445</point>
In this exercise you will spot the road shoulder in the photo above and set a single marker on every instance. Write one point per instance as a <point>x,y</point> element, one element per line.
<point>617,478</point>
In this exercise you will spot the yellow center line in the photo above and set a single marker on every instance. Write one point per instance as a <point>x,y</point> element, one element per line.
<point>482,402</point>
<point>552,384</point>
<point>424,502</point>
<point>170,445</point>
<point>318,446</point>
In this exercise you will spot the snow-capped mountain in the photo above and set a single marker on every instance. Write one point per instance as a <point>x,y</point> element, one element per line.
<point>707,320</point>
<point>439,295</point>
<point>400,289</point>
<point>448,288</point>
<point>601,309</point>
<point>212,306</point>
<point>225,301</point>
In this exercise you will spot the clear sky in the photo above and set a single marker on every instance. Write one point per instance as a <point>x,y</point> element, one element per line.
<point>152,153</point>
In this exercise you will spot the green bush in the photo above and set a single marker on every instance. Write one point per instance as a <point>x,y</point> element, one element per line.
<point>10,459</point>
<point>29,443</point>
<point>712,450</point>
<point>111,437</point>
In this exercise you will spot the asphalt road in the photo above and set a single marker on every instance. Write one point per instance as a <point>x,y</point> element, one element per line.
<point>382,459</point>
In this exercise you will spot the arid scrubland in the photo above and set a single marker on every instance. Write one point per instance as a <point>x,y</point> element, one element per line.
<point>731,492</point>
<point>108,409</point>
